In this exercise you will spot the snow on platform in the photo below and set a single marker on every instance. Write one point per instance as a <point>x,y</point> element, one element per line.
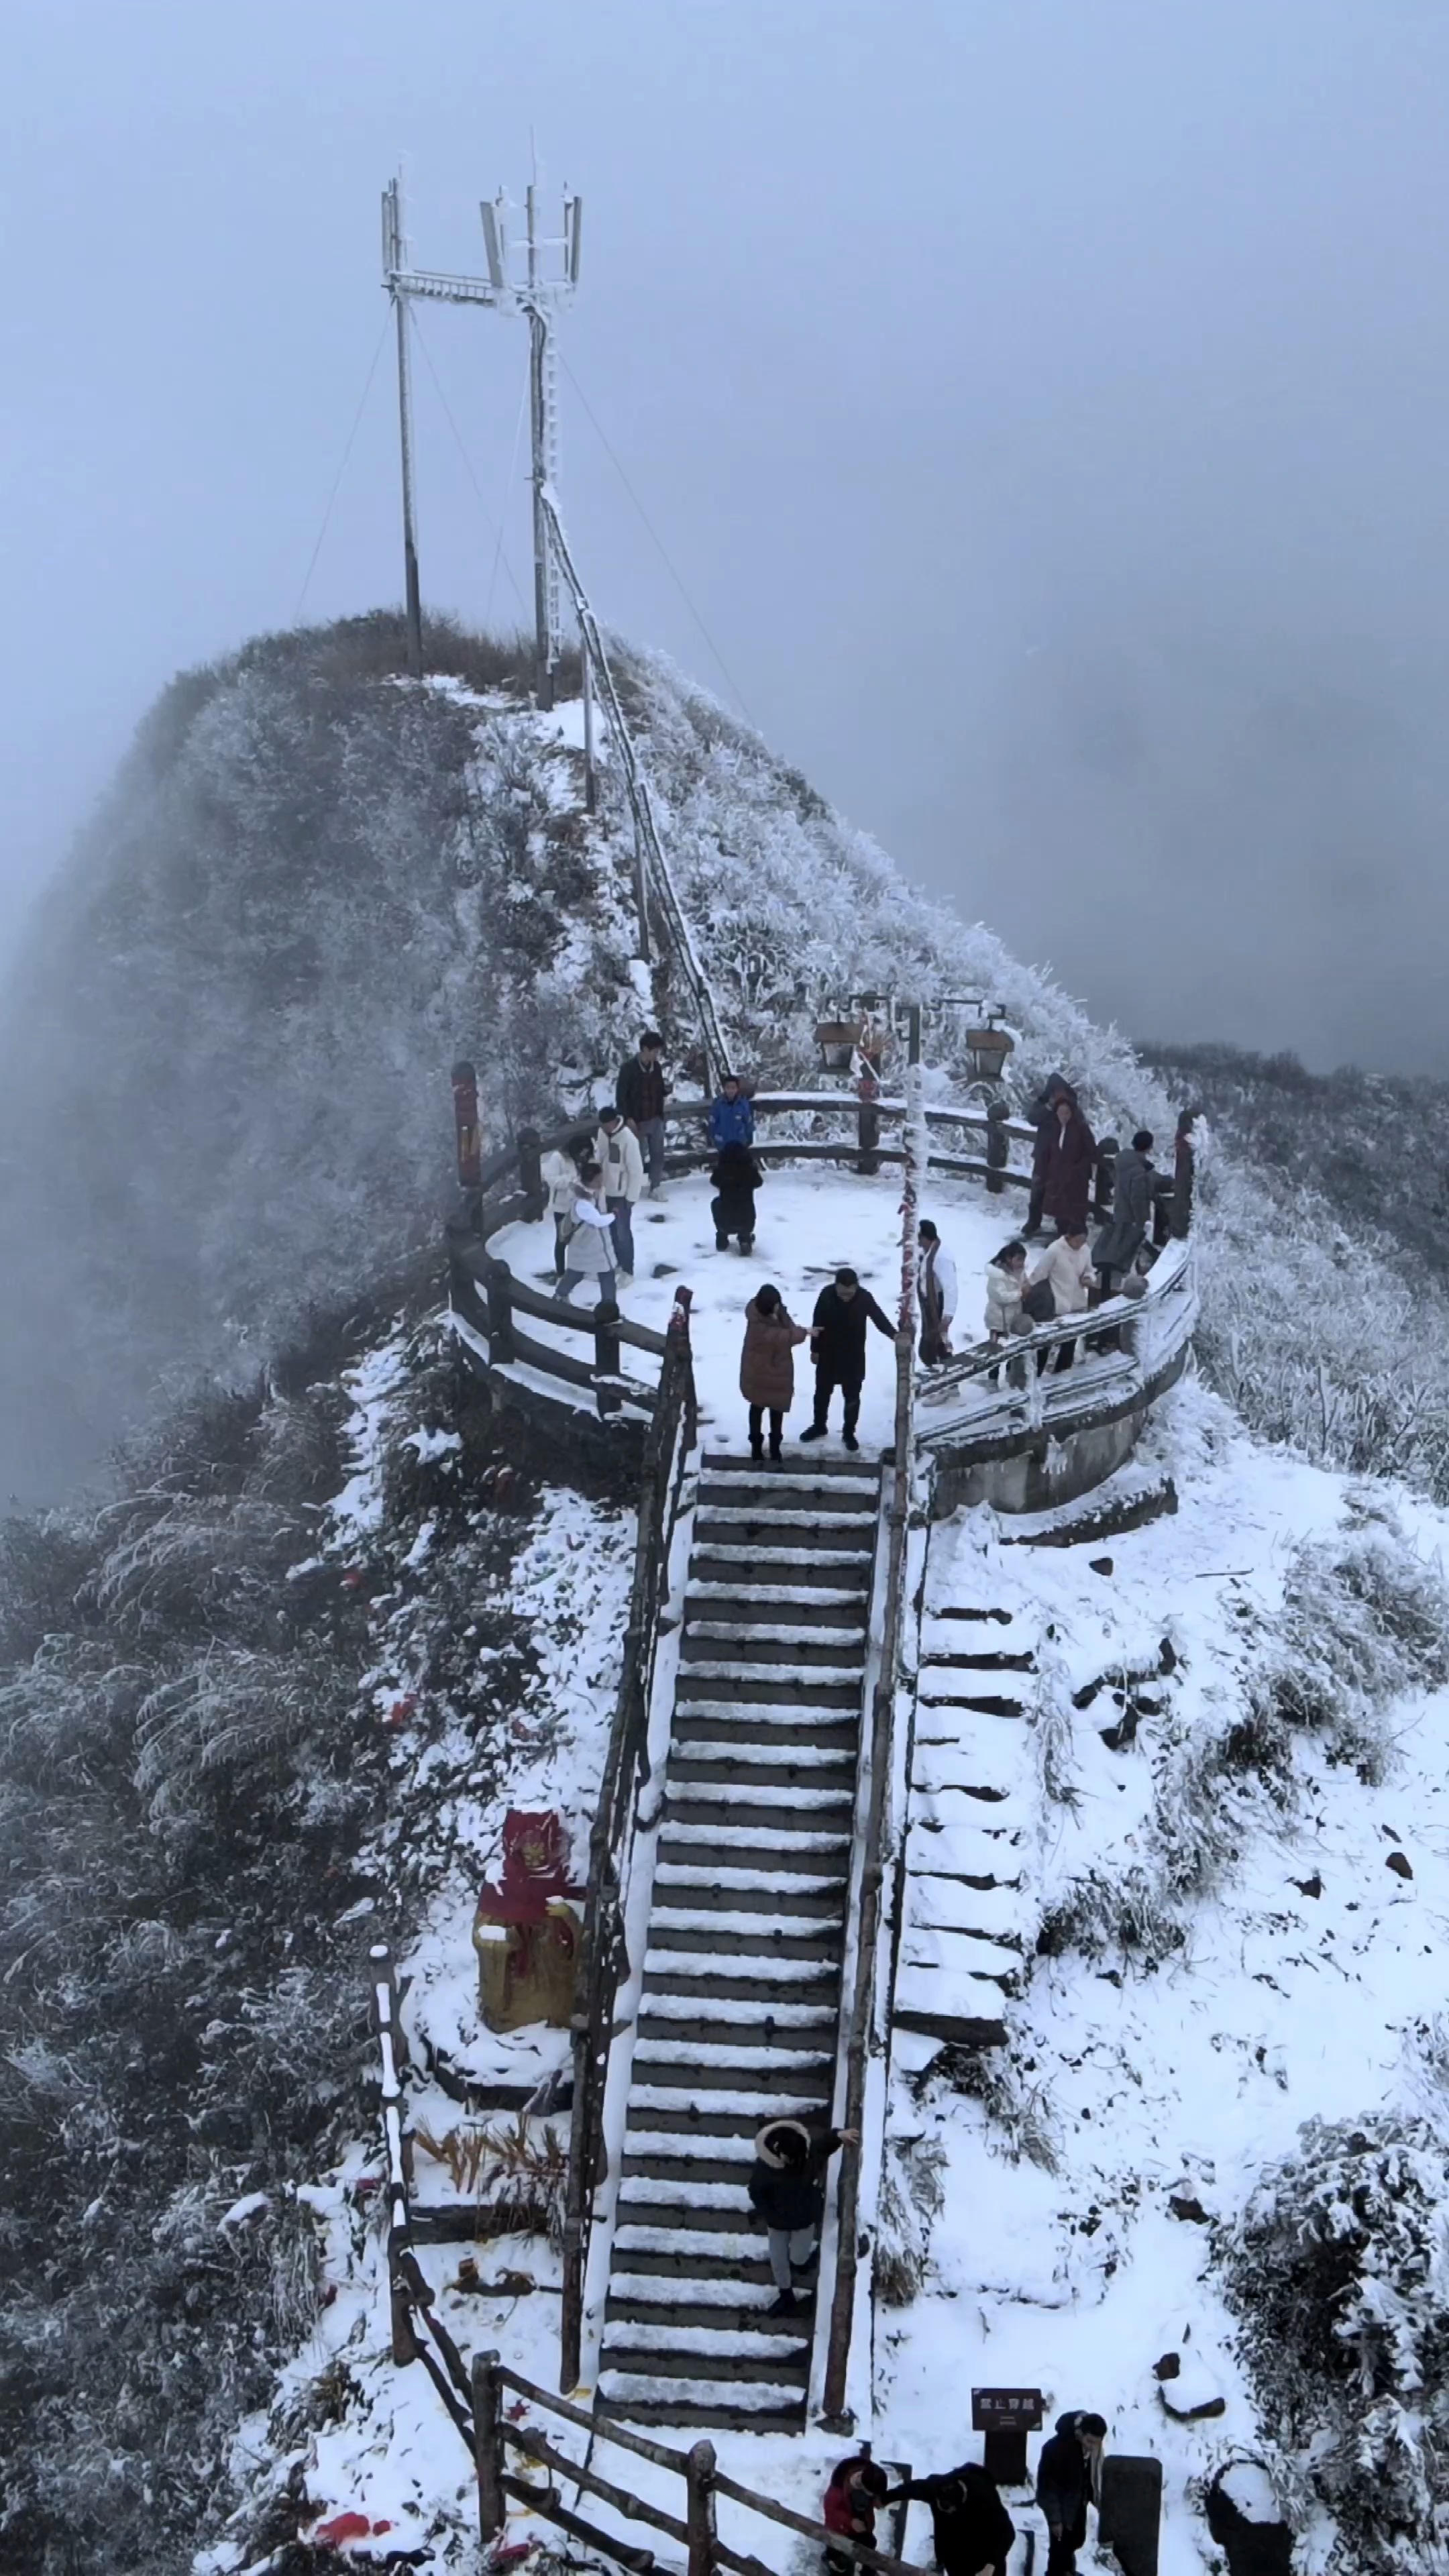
<point>810,1221</point>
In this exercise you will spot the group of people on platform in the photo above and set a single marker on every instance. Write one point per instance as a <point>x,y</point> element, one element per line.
<point>973,2532</point>
<point>595,1182</point>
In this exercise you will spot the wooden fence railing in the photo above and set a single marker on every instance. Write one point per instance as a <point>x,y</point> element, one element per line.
<point>671,1437</point>
<point>693,2528</point>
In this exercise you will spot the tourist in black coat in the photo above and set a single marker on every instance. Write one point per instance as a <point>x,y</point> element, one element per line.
<point>787,2190</point>
<point>736,1176</point>
<point>837,1338</point>
<point>973,2530</point>
<point>1068,2479</point>
<point>1043,1111</point>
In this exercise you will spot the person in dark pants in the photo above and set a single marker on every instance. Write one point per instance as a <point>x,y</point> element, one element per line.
<point>1125,1232</point>
<point>837,1337</point>
<point>973,2530</point>
<point>787,2190</point>
<point>1044,1111</point>
<point>1068,2478</point>
<point>767,1367</point>
<point>736,1177</point>
<point>641,1092</point>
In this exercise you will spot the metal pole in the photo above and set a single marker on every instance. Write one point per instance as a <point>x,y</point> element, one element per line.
<point>487,2450</point>
<point>405,428</point>
<point>591,783</point>
<point>538,420</point>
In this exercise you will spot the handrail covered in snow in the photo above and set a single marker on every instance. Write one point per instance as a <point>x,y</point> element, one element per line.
<point>883,1716</point>
<point>641,806</point>
<point>995,1398</point>
<point>671,1437</point>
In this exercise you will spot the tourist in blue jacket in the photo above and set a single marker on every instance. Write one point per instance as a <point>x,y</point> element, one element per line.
<point>731,1117</point>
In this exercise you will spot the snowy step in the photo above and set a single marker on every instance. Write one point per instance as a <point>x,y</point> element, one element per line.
<point>733,1600</point>
<point>956,1955</point>
<point>732,2084</point>
<point>743,1972</point>
<point>948,1905</point>
<point>700,2058</point>
<point>781,1847</point>
<point>767,1936</point>
<point>795,1525</point>
<point>748,1891</point>
<point>825,1569</point>
<point>705,2204</point>
<point>981,1703</point>
<point>770,1765</point>
<point>661,2400</point>
<point>815,1685</point>
<point>732,1461</point>
<point>989,1660</point>
<point>967,1852</point>
<point>711,2115</point>
<point>755,1715</point>
<point>737,2153</point>
<point>835,1491</point>
<point>684,2244</point>
<point>696,2303</point>
<point>725,2345</point>
<point>712,2370</point>
<point>804,1651</point>
<point>703,1803</point>
<point>833,1730</point>
<point>764,2020</point>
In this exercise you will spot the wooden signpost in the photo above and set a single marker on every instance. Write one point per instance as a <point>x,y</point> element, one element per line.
<point>1006,2416</point>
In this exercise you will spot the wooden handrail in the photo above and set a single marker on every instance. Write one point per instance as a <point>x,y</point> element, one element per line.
<point>668,1441</point>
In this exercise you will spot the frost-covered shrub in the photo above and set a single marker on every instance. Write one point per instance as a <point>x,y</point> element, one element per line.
<point>1338,2270</point>
<point>1364,1620</point>
<point>911,2194</point>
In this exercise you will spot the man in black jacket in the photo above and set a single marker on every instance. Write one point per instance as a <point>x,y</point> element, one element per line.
<point>837,1342</point>
<point>973,2530</point>
<point>641,1092</point>
<point>1068,2477</point>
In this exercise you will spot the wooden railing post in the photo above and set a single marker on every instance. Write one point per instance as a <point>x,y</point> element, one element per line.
<point>868,1126</point>
<point>998,1146</point>
<point>1183,1175</point>
<point>498,1286</point>
<point>607,1356</point>
<point>487,2448</point>
<point>699,2510</point>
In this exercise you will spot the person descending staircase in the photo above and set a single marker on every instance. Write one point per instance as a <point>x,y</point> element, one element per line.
<point>740,2011</point>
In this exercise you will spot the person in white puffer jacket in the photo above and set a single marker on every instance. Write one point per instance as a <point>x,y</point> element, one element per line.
<point>589,1250</point>
<point>1005,1280</point>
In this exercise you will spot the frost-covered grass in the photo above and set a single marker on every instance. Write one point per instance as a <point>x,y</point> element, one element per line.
<point>1236,2010</point>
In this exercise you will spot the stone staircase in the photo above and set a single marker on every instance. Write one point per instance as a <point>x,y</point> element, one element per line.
<point>965,1927</point>
<point>740,2011</point>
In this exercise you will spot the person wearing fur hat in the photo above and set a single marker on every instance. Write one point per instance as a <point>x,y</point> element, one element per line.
<point>787,2190</point>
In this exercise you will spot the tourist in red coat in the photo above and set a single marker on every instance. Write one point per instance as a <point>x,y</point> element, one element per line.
<point>1068,1154</point>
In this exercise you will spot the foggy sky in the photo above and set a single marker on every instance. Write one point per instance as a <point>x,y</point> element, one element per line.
<point>1044,404</point>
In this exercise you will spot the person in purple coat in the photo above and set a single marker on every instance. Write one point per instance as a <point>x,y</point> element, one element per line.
<point>1068,1153</point>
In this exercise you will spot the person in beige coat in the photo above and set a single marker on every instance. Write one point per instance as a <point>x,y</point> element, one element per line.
<point>616,1151</point>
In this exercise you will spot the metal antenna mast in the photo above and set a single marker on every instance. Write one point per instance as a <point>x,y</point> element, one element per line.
<point>394,256</point>
<point>535,297</point>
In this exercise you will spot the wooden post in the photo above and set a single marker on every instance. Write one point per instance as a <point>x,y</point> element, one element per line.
<point>498,1286</point>
<point>1106,1178</point>
<point>1184,1171</point>
<point>606,1356</point>
<point>487,2449</point>
<point>867,1160</point>
<point>699,2511</point>
<point>465,1124</point>
<point>530,1172</point>
<point>998,1146</point>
